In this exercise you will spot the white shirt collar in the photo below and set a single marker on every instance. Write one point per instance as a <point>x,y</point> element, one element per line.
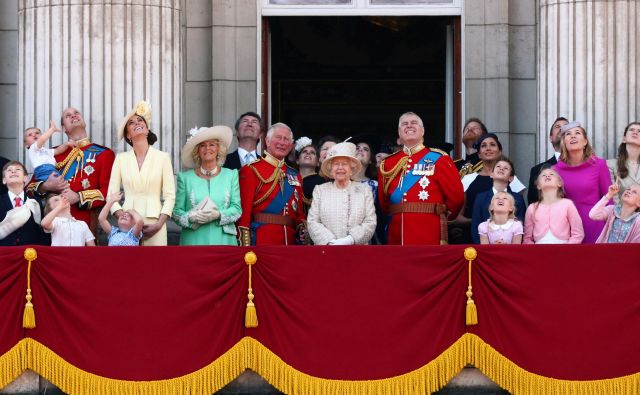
<point>242,153</point>
<point>557,155</point>
<point>505,226</point>
<point>12,197</point>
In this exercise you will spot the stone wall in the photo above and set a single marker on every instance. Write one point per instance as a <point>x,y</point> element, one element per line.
<point>220,61</point>
<point>500,74</point>
<point>8,78</point>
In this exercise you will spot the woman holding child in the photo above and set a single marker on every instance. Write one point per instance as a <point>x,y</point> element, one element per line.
<point>145,174</point>
<point>208,197</point>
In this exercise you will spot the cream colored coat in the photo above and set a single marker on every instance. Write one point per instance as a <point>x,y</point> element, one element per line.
<point>144,187</point>
<point>336,213</point>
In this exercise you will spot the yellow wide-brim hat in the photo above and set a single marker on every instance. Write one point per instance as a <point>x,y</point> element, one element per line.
<point>222,133</point>
<point>341,150</point>
<point>142,109</point>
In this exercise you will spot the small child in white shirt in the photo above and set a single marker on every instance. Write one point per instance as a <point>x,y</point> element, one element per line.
<point>43,159</point>
<point>65,230</point>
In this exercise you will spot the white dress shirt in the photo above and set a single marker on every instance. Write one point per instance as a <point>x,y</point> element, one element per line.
<point>242,153</point>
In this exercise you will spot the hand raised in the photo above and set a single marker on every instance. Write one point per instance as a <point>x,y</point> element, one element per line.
<point>52,127</point>
<point>114,197</point>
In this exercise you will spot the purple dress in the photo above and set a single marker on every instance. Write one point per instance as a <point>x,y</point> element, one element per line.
<point>585,184</point>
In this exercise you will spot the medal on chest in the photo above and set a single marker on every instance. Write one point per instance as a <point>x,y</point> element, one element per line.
<point>426,168</point>
<point>293,180</point>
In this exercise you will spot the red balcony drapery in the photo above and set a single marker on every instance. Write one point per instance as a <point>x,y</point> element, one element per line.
<point>349,319</point>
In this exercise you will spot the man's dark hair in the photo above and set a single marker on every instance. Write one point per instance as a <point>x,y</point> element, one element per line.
<point>554,122</point>
<point>251,114</point>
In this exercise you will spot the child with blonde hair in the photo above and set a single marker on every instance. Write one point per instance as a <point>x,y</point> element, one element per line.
<point>623,219</point>
<point>502,227</point>
<point>43,159</point>
<point>65,230</point>
<point>129,229</point>
<point>553,219</point>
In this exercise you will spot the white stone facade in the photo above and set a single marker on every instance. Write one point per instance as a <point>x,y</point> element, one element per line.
<point>198,63</point>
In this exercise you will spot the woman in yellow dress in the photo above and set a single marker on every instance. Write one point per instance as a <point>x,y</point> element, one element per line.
<point>146,176</point>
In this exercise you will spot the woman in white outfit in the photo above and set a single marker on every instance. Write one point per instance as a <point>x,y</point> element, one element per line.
<point>342,212</point>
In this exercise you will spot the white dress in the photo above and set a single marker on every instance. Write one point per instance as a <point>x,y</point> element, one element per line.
<point>336,213</point>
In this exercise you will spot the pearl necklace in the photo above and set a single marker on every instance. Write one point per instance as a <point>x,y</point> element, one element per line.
<point>209,173</point>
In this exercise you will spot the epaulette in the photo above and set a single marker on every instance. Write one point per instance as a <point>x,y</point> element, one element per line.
<point>441,152</point>
<point>388,157</point>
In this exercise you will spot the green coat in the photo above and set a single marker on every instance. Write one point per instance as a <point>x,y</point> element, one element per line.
<point>224,191</point>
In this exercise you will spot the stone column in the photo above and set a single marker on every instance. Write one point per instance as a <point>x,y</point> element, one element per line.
<point>101,57</point>
<point>588,68</point>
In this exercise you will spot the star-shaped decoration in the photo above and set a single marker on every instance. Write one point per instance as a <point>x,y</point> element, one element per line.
<point>423,195</point>
<point>424,182</point>
<point>85,183</point>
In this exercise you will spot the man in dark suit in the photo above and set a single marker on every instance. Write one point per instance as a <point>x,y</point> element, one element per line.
<point>554,138</point>
<point>248,130</point>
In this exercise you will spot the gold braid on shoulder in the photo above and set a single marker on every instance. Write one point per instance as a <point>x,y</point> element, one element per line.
<point>274,180</point>
<point>68,161</point>
<point>390,175</point>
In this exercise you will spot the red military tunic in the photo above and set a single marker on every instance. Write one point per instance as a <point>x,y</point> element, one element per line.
<point>87,168</point>
<point>271,197</point>
<point>406,183</point>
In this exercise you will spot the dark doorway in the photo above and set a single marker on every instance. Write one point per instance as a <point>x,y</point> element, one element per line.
<point>351,75</point>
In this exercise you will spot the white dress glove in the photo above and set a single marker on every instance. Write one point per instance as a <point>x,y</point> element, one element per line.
<point>344,241</point>
<point>197,217</point>
<point>212,215</point>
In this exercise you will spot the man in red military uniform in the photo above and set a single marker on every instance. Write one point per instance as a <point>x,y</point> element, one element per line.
<point>271,194</point>
<point>418,187</point>
<point>85,171</point>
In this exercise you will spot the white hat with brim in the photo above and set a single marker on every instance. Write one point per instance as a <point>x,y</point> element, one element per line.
<point>142,109</point>
<point>223,134</point>
<point>345,150</point>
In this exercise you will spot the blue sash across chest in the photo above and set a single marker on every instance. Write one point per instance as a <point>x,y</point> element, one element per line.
<point>411,178</point>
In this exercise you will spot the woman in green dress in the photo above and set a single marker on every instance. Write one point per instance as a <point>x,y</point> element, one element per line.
<point>208,196</point>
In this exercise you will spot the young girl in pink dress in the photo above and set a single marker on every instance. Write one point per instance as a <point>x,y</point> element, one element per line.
<point>502,227</point>
<point>553,219</point>
<point>623,219</point>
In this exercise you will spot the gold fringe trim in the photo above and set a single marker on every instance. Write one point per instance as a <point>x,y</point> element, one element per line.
<point>12,364</point>
<point>518,381</point>
<point>73,380</point>
<point>248,353</point>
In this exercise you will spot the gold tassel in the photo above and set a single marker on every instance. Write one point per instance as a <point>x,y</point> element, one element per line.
<point>29,316</point>
<point>470,254</point>
<point>251,315</point>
